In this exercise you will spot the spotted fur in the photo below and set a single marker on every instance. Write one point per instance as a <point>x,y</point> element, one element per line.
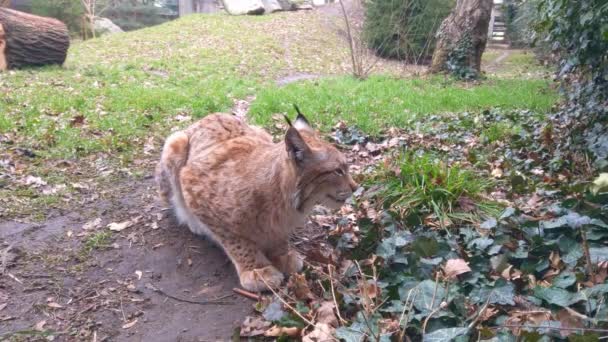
<point>229,181</point>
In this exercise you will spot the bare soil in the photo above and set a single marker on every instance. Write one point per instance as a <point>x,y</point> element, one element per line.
<point>71,283</point>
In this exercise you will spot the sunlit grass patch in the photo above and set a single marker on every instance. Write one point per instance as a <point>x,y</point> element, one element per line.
<point>382,101</point>
<point>423,188</point>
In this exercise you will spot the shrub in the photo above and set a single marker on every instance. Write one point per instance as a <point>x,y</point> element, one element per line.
<point>404,29</point>
<point>69,12</point>
<point>132,17</point>
<point>578,31</point>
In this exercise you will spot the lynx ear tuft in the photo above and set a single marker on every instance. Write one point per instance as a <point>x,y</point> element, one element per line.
<point>287,120</point>
<point>301,121</point>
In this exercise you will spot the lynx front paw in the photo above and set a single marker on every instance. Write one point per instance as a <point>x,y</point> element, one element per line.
<point>289,263</point>
<point>250,280</point>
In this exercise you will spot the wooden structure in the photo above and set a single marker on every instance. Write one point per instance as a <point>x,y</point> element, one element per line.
<point>31,40</point>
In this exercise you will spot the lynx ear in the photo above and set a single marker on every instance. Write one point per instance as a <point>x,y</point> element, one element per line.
<point>296,146</point>
<point>301,121</point>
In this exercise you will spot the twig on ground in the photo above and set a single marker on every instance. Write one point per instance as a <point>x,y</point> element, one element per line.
<point>333,294</point>
<point>426,320</point>
<point>4,258</point>
<point>441,306</point>
<point>435,290</point>
<point>548,327</point>
<point>124,318</point>
<point>587,254</point>
<point>215,301</point>
<point>483,309</point>
<point>409,310</point>
<point>247,294</point>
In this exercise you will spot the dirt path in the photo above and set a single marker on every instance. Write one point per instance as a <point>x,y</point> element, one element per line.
<point>63,280</point>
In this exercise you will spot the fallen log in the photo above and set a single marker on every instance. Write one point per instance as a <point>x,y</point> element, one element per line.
<point>31,40</point>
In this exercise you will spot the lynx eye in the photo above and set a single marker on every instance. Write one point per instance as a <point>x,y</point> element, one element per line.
<point>339,172</point>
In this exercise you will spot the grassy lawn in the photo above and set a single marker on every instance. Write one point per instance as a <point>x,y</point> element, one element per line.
<point>118,93</point>
<point>382,102</point>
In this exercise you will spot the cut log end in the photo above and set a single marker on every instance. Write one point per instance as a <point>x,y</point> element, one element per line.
<point>3,64</point>
<point>30,40</point>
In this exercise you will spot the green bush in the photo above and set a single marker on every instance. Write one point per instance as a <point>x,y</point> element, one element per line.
<point>404,29</point>
<point>68,11</point>
<point>578,32</point>
<point>132,17</point>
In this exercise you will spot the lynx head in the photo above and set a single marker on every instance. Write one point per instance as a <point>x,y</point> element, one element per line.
<point>321,170</point>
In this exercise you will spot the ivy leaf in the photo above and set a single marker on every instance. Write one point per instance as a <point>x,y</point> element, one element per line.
<point>557,296</point>
<point>489,224</point>
<point>481,243</point>
<point>274,311</point>
<point>425,247</point>
<point>502,293</point>
<point>507,213</point>
<point>424,297</point>
<point>598,254</point>
<point>387,248</point>
<point>447,334</point>
<point>555,223</point>
<point>564,280</point>
<point>354,333</point>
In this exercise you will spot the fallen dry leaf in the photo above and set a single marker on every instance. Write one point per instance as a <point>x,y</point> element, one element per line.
<point>497,173</point>
<point>54,305</point>
<point>130,324</point>
<point>93,224</point>
<point>40,326</point>
<point>34,181</point>
<point>569,320</point>
<point>555,259</point>
<point>325,314</point>
<point>254,326</point>
<point>455,267</point>
<point>321,332</point>
<point>277,331</point>
<point>299,286</point>
<point>117,227</point>
<point>602,272</point>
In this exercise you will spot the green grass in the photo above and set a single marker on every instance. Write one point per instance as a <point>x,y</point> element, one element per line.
<point>115,93</point>
<point>499,131</point>
<point>417,185</point>
<point>381,101</point>
<point>98,240</point>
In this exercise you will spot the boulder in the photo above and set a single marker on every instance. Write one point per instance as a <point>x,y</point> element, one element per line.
<point>240,7</point>
<point>105,26</point>
<point>271,6</point>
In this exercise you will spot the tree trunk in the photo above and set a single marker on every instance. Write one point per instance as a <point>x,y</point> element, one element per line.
<point>30,40</point>
<point>462,36</point>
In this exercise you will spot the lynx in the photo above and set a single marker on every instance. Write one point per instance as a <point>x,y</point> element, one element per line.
<point>229,181</point>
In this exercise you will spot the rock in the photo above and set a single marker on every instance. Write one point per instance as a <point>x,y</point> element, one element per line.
<point>300,4</point>
<point>240,7</point>
<point>105,26</point>
<point>271,6</point>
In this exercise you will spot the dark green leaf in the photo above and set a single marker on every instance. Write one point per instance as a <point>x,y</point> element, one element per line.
<point>556,296</point>
<point>489,224</point>
<point>425,292</point>
<point>598,254</point>
<point>564,280</point>
<point>502,293</point>
<point>447,334</point>
<point>481,243</point>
